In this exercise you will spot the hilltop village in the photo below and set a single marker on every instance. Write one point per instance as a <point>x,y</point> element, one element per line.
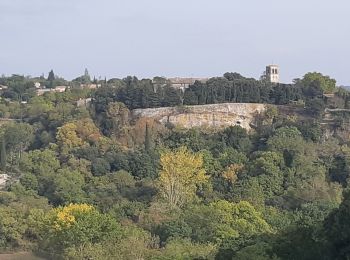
<point>59,85</point>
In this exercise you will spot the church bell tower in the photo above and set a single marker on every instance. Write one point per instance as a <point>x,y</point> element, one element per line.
<point>273,73</point>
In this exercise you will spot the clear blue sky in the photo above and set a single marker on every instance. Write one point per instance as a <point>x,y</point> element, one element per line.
<point>147,38</point>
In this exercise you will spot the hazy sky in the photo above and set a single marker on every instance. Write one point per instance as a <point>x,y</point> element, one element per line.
<point>146,38</point>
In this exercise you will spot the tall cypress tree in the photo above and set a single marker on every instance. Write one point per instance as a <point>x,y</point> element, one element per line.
<point>3,155</point>
<point>51,76</point>
<point>51,79</point>
<point>148,139</point>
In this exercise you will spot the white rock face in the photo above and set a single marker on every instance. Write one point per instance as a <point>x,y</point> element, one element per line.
<point>3,179</point>
<point>209,116</point>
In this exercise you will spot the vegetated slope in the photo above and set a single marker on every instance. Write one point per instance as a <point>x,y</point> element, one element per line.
<point>96,182</point>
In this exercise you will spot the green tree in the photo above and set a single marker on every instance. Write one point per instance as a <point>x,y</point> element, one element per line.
<point>239,219</point>
<point>267,169</point>
<point>326,83</point>
<point>316,107</point>
<point>289,142</point>
<point>67,187</point>
<point>185,249</point>
<point>258,251</point>
<point>100,167</point>
<point>337,228</point>
<point>171,97</point>
<point>19,137</point>
<point>249,189</point>
<point>229,225</point>
<point>40,162</point>
<point>237,137</point>
<point>38,106</point>
<point>42,167</point>
<point>233,76</point>
<point>12,228</point>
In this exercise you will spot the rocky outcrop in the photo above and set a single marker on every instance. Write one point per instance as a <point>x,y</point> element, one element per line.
<point>207,116</point>
<point>4,178</point>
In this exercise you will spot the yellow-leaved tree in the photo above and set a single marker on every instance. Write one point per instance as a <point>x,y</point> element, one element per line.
<point>181,173</point>
<point>77,133</point>
<point>67,137</point>
<point>75,229</point>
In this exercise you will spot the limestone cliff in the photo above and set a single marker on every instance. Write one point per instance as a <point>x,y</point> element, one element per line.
<point>207,116</point>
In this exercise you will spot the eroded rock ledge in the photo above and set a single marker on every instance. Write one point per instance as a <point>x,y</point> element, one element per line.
<point>210,116</point>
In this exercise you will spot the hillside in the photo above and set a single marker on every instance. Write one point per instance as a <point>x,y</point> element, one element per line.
<point>230,168</point>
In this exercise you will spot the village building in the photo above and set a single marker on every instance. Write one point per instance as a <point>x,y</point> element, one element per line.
<point>42,91</point>
<point>84,102</point>
<point>177,82</point>
<point>184,83</point>
<point>60,89</point>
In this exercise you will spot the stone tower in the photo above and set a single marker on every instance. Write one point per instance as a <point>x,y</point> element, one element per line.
<point>273,73</point>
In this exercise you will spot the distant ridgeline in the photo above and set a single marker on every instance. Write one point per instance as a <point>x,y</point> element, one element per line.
<point>232,88</point>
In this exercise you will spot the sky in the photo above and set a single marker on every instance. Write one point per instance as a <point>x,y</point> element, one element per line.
<point>185,38</point>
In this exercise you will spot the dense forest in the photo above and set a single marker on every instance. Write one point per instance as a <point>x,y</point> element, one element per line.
<point>76,191</point>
